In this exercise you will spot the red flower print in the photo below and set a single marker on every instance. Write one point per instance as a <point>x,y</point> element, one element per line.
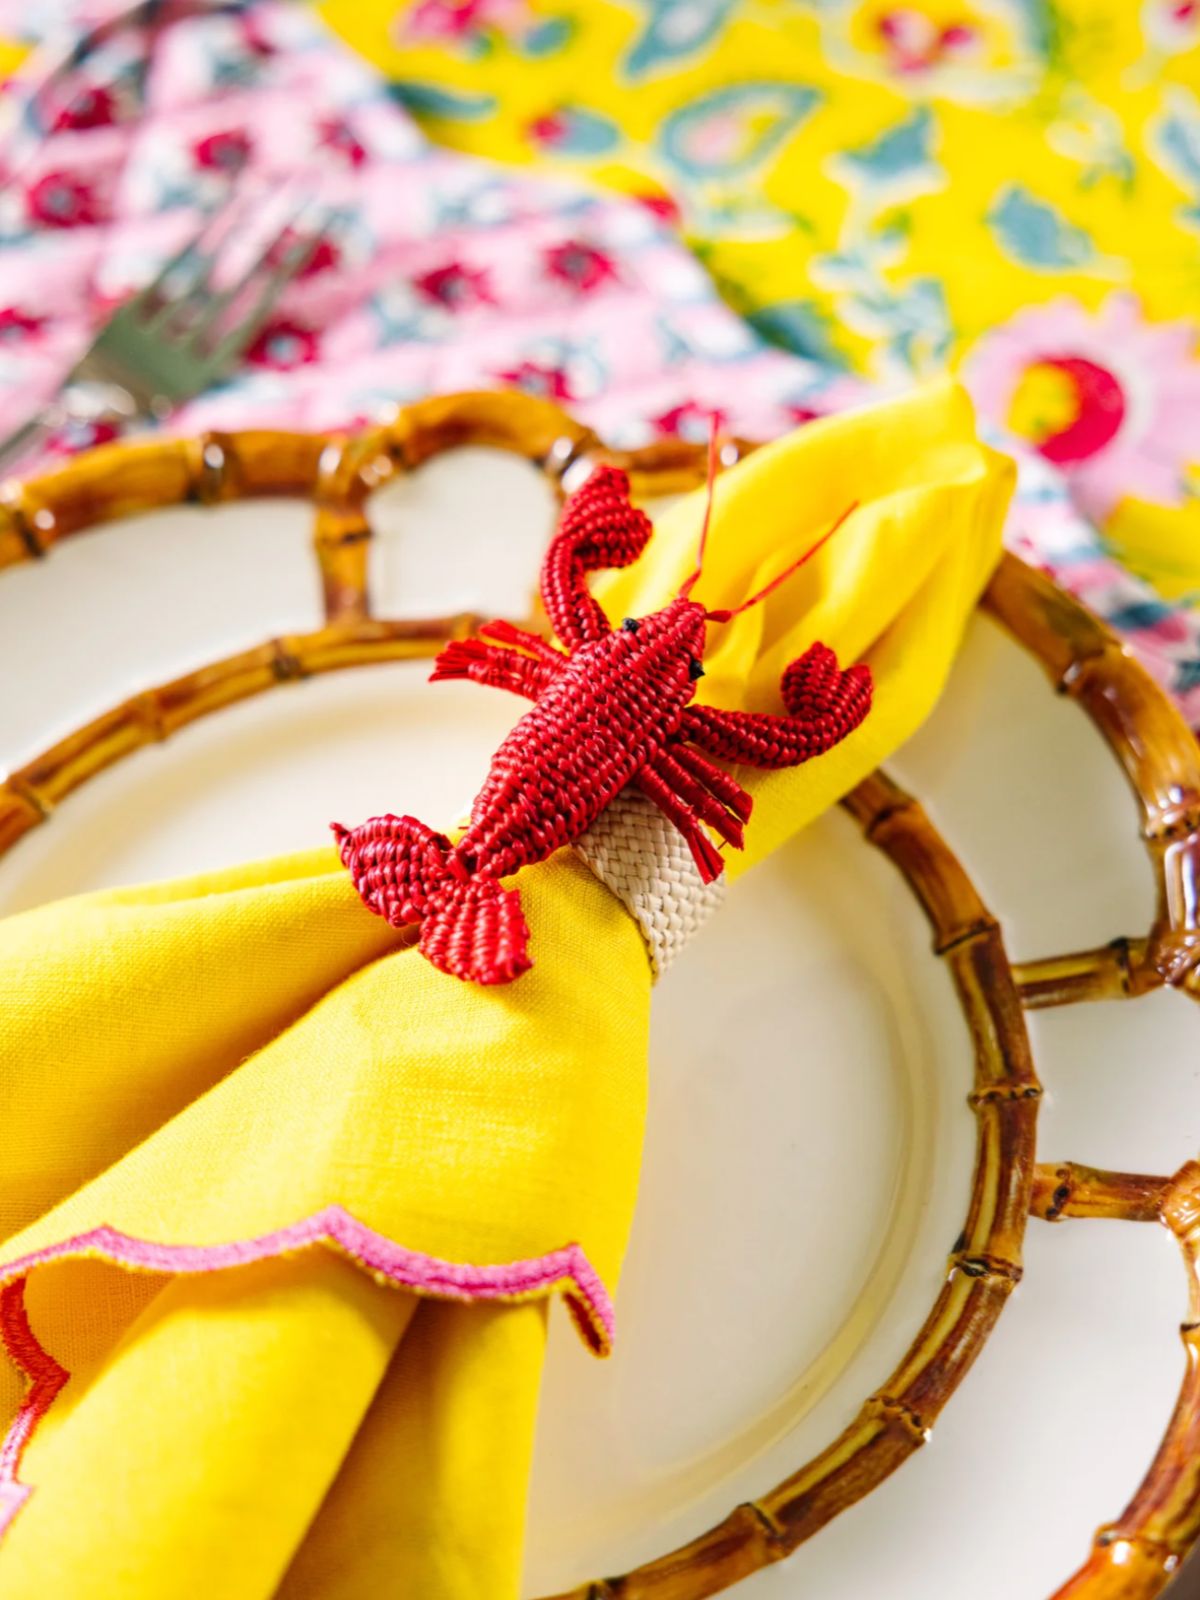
<point>915,43</point>
<point>452,21</point>
<point>798,415</point>
<point>551,383</point>
<point>690,421</point>
<point>16,326</point>
<point>1170,25</point>
<point>581,266</point>
<point>227,151</point>
<point>94,107</point>
<point>60,201</point>
<point>455,286</point>
<point>282,344</point>
<point>323,256</point>
<point>335,133</point>
<point>254,39</point>
<point>550,129</point>
<point>76,436</point>
<point>1109,396</point>
<point>661,206</point>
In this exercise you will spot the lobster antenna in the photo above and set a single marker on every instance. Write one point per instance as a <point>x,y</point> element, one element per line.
<point>726,616</point>
<point>689,582</point>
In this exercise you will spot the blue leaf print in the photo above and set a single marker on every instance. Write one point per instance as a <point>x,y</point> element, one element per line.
<point>843,266</point>
<point>675,349</point>
<point>428,100</point>
<point>234,71</point>
<point>549,36</point>
<point>912,318</point>
<point>902,149</point>
<point>734,343</point>
<point>1139,614</point>
<point>175,192</point>
<point>1180,143</point>
<point>802,327</point>
<point>398,320</point>
<point>574,132</point>
<point>1043,27</point>
<point>675,28</point>
<point>727,132</point>
<point>1177,142</point>
<point>1034,234</point>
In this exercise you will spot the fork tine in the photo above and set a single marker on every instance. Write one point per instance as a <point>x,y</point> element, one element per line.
<point>192,248</point>
<point>215,306</point>
<point>274,284</point>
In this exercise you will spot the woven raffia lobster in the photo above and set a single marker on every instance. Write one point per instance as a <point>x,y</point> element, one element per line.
<point>610,710</point>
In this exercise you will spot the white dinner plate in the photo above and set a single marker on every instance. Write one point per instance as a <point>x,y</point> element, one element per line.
<point>810,1147</point>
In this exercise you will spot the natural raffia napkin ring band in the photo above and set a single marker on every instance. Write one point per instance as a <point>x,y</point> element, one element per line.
<point>1082,658</point>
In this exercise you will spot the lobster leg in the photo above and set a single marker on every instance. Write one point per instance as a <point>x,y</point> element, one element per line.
<point>599,528</point>
<point>825,703</point>
<point>705,805</point>
<point>705,854</point>
<point>503,669</point>
<point>717,781</point>
<point>501,632</point>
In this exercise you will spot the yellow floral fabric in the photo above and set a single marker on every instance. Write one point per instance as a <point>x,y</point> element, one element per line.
<point>1009,190</point>
<point>194,1066</point>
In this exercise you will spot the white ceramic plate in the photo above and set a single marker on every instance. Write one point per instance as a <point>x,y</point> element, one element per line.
<point>809,1147</point>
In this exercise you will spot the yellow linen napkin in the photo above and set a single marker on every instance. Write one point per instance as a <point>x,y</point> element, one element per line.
<point>286,1203</point>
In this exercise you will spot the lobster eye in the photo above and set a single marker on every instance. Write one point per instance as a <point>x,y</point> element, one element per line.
<point>695,668</point>
<point>631,624</point>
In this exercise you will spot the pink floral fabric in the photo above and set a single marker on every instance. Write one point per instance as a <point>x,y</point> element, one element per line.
<point>1136,395</point>
<point>440,271</point>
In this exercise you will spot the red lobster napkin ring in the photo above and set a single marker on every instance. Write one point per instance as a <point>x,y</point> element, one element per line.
<point>611,711</point>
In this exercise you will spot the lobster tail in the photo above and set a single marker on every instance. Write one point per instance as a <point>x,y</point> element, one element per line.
<point>475,930</point>
<point>471,926</point>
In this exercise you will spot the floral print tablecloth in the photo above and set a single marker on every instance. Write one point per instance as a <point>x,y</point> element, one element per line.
<point>878,192</point>
<point>1010,188</point>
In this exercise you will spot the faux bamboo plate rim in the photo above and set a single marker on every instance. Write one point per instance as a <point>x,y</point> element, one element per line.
<point>1134,1555</point>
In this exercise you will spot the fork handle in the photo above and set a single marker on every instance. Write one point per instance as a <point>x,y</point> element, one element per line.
<point>21,441</point>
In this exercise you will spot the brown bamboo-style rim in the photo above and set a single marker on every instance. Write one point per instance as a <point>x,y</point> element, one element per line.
<point>1132,1557</point>
<point>1157,752</point>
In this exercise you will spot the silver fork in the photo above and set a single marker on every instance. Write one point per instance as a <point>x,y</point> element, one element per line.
<point>168,342</point>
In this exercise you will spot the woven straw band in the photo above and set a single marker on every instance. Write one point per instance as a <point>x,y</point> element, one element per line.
<point>635,852</point>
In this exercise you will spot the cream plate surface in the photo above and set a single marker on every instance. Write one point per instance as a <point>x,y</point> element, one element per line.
<point>809,1146</point>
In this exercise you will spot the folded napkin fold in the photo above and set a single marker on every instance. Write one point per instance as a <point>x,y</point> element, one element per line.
<point>286,1203</point>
